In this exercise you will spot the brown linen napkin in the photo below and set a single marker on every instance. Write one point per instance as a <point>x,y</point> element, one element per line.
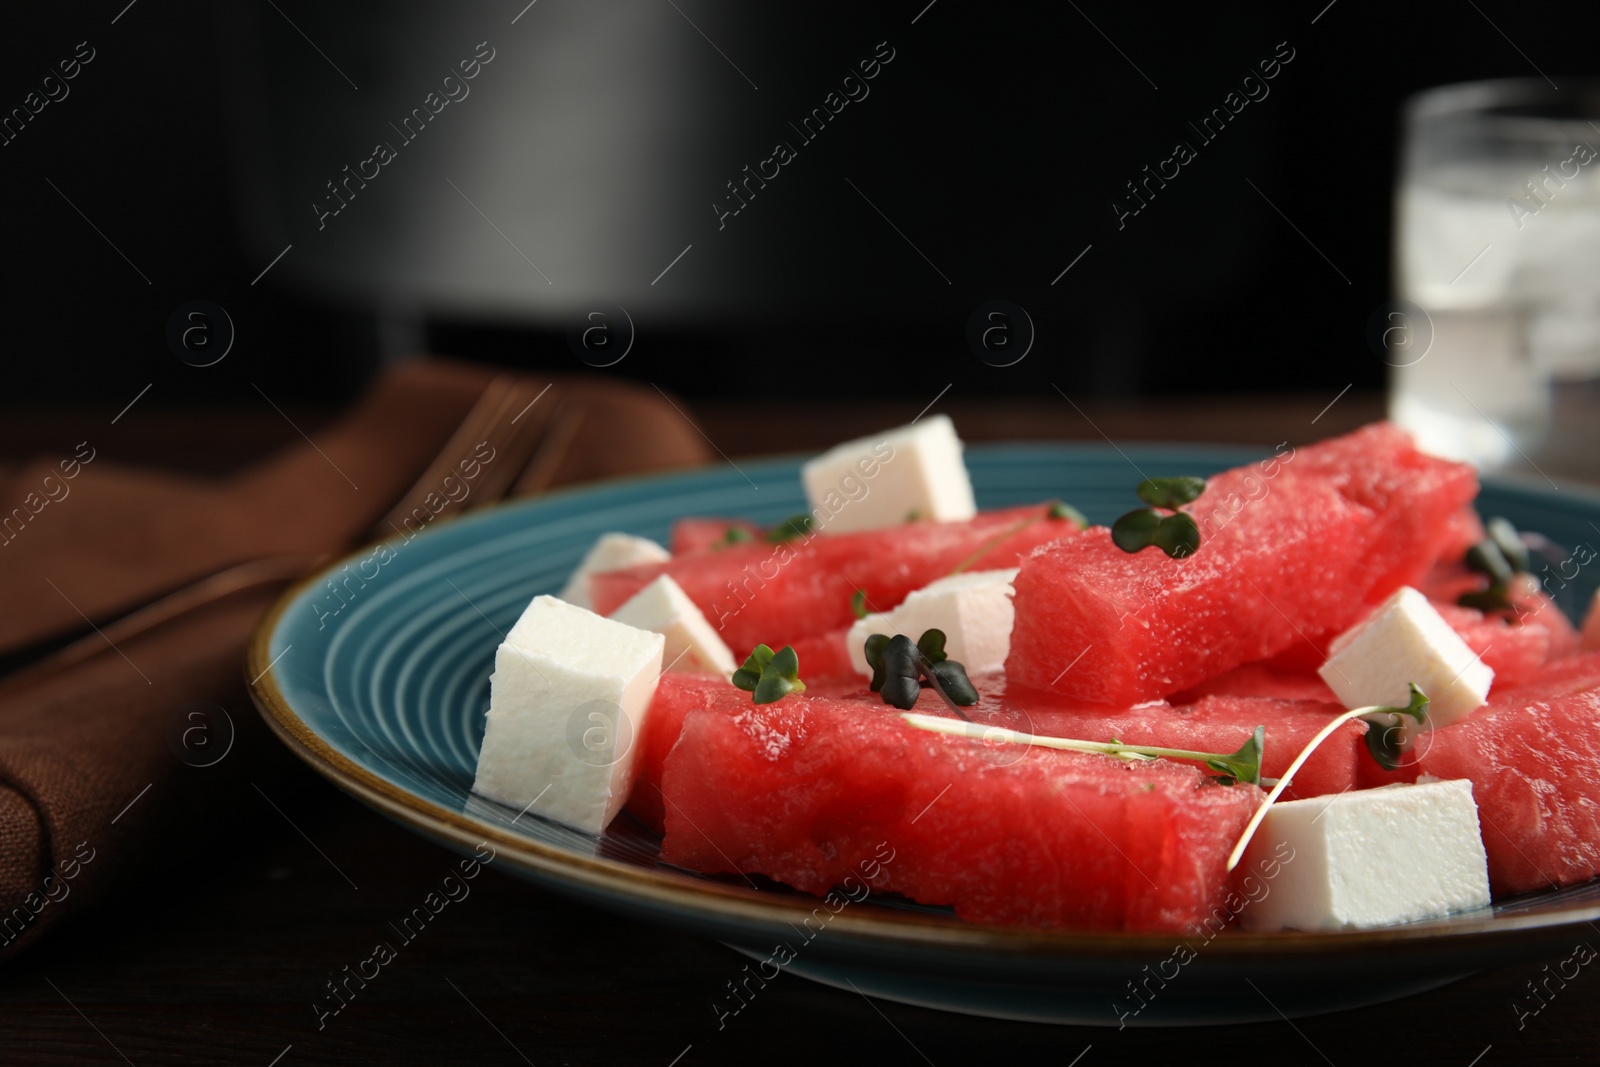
<point>105,767</point>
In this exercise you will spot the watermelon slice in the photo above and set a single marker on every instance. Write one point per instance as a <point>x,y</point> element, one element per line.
<point>1268,678</point>
<point>1218,724</point>
<point>826,658</point>
<point>817,791</point>
<point>1591,625</point>
<point>1516,651</point>
<point>1533,756</point>
<point>774,594</point>
<point>1463,531</point>
<point>693,535</point>
<point>1340,525</point>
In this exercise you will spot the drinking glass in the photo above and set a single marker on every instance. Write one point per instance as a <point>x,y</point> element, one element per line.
<point>1495,338</point>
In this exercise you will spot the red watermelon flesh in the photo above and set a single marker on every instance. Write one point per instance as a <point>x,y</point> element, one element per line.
<point>1535,771</point>
<point>1591,626</point>
<point>1532,609</point>
<point>825,657</point>
<point>1417,498</point>
<point>1566,676</point>
<point>1217,724</point>
<point>1463,531</point>
<point>1517,644</point>
<point>1268,678</point>
<point>1516,651</point>
<point>1341,525</point>
<point>774,594</point>
<point>810,790</point>
<point>693,535</point>
<point>677,694</point>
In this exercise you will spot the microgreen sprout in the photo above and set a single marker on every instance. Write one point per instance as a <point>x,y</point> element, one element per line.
<point>900,669</point>
<point>1510,542</point>
<point>1381,719</point>
<point>1499,557</point>
<point>1170,493</point>
<point>858,604</point>
<point>1384,728</point>
<point>770,675</point>
<point>1059,509</point>
<point>790,528</point>
<point>1232,767</point>
<point>1175,533</point>
<point>733,535</point>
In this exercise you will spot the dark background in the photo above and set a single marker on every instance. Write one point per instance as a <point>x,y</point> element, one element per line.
<point>995,142</point>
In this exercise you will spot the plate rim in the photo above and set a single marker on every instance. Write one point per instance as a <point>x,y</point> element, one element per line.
<point>719,902</point>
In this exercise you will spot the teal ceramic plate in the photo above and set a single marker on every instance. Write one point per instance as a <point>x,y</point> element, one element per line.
<point>383,689</point>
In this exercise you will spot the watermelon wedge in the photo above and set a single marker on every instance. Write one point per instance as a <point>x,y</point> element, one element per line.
<point>1339,525</point>
<point>1533,756</point>
<point>1218,724</point>
<point>774,594</point>
<point>697,534</point>
<point>1267,678</point>
<point>817,791</point>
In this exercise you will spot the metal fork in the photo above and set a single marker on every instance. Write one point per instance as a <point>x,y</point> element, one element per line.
<point>529,441</point>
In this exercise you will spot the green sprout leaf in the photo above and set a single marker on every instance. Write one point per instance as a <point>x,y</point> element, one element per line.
<point>1493,599</point>
<point>1486,557</point>
<point>1383,728</point>
<point>913,515</point>
<point>858,604</point>
<point>748,676</point>
<point>874,647</point>
<point>780,677</point>
<point>1500,557</point>
<point>1177,535</point>
<point>1243,765</point>
<point>733,535</point>
<point>902,672</point>
<point>900,669</point>
<point>1170,493</point>
<point>1510,543</point>
<point>1136,530</point>
<point>1060,510</point>
<point>790,528</point>
<point>953,683</point>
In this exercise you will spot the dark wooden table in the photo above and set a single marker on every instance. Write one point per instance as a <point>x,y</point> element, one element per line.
<point>220,952</point>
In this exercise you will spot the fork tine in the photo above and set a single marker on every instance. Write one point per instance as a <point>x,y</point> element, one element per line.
<point>518,436</point>
<point>542,468</point>
<point>472,429</point>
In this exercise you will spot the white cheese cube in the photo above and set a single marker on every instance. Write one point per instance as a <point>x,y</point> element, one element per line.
<point>876,481</point>
<point>567,704</point>
<point>972,608</point>
<point>1368,857</point>
<point>692,645</point>
<point>612,552</point>
<point>1407,641</point>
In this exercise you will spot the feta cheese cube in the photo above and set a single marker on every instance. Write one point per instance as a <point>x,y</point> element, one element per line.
<point>877,481</point>
<point>1406,641</point>
<point>1368,857</point>
<point>567,703</point>
<point>612,552</point>
<point>972,608</point>
<point>692,645</point>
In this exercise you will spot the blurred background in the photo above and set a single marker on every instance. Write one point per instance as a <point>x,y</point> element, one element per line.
<point>201,152</point>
